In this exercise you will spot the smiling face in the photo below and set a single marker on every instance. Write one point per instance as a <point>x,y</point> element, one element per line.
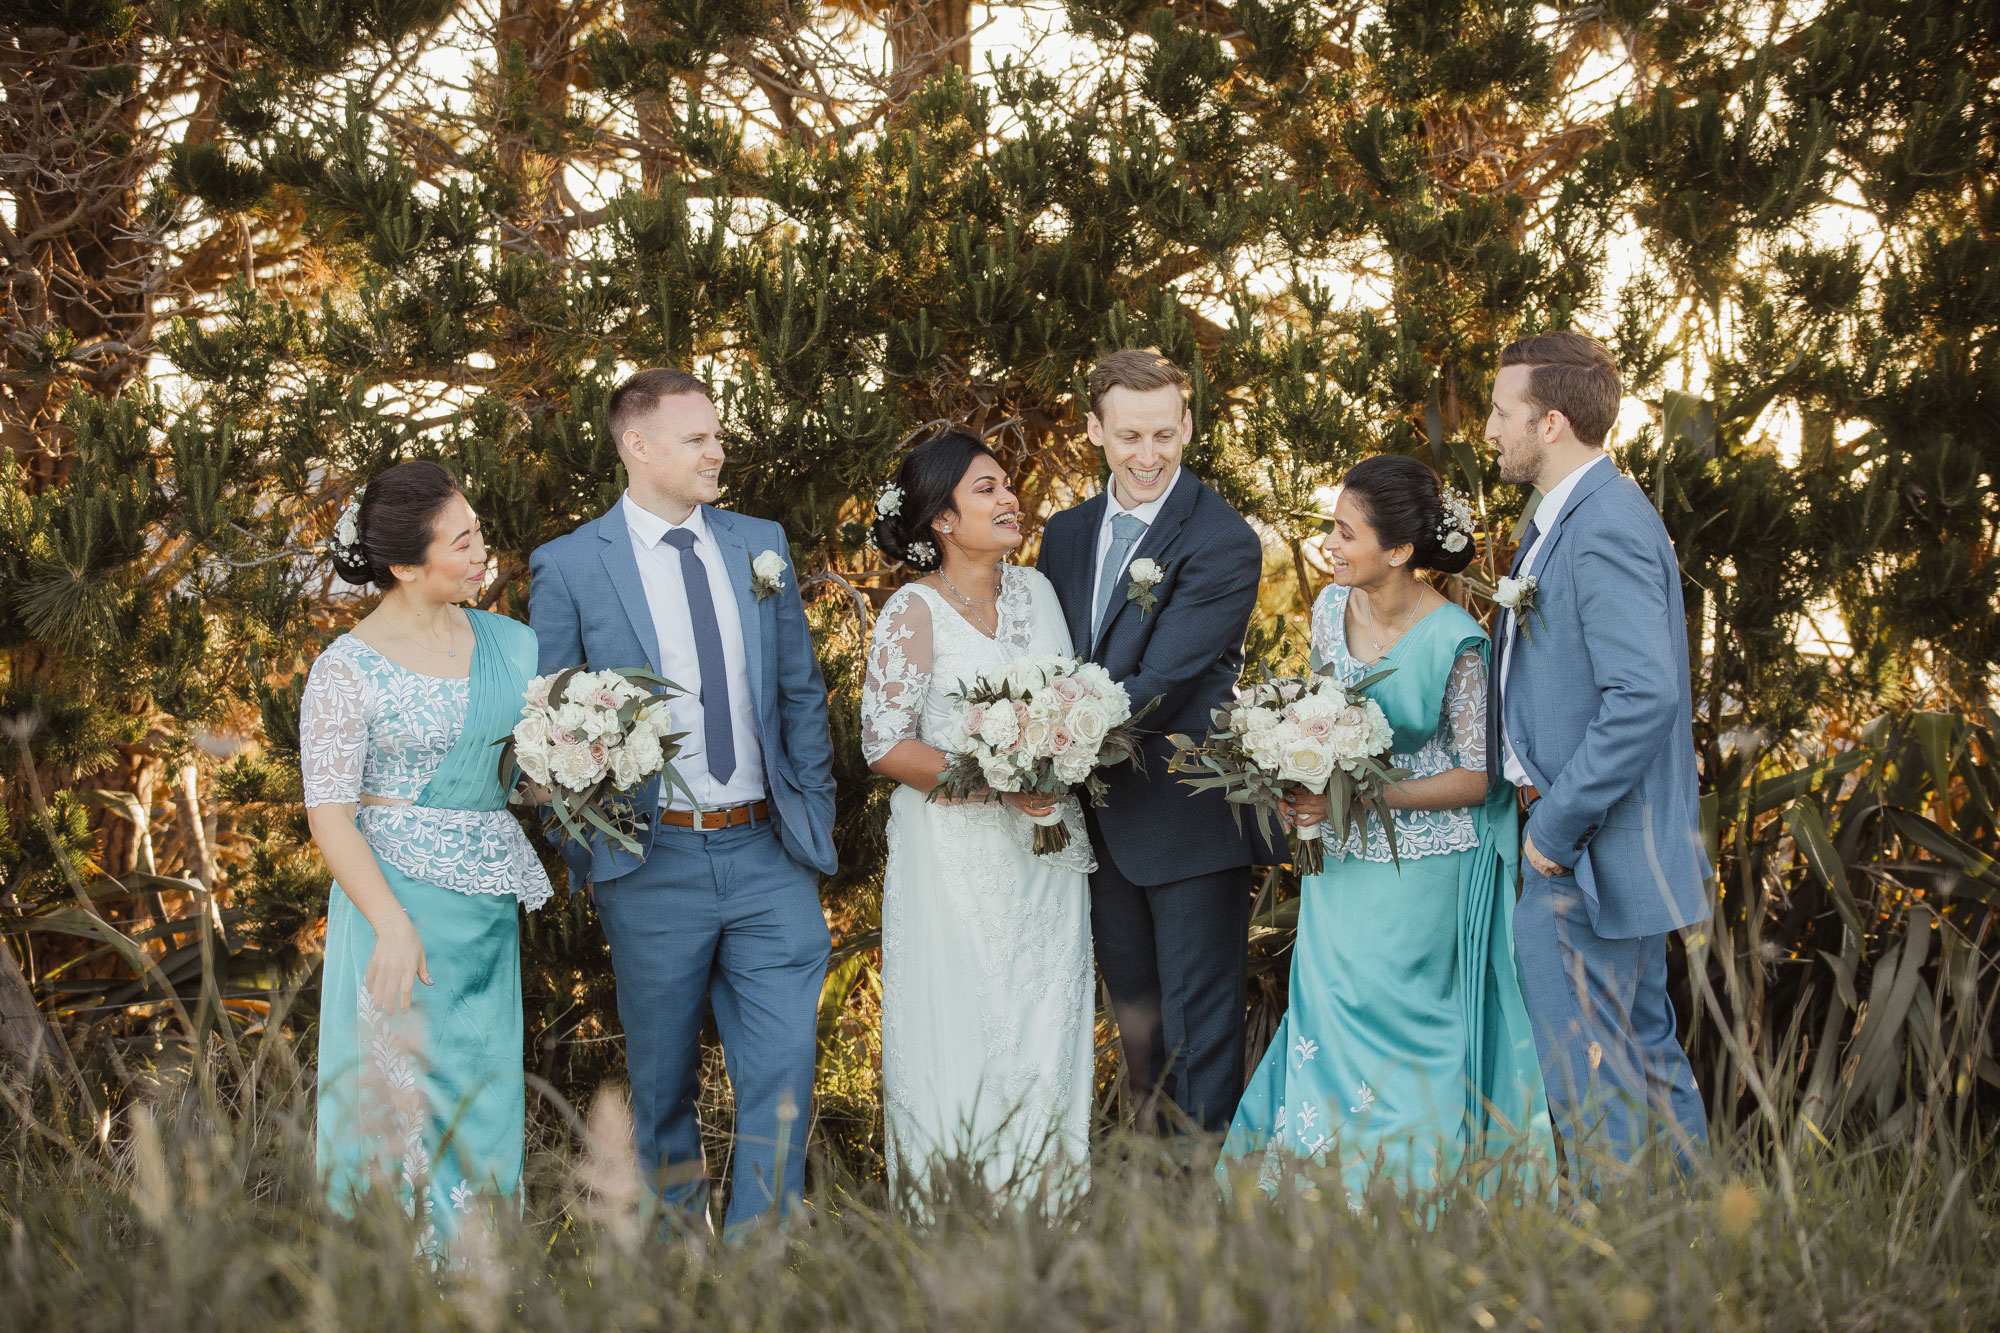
<point>1355,551</point>
<point>454,567</point>
<point>1142,433</point>
<point>1518,432</point>
<point>984,518</point>
<point>674,456</point>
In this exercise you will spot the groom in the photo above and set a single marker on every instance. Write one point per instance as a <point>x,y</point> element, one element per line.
<point>1157,578</point>
<point>1589,713</point>
<point>722,911</point>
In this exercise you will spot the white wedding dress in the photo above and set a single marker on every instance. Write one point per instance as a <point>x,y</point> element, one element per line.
<point>987,993</point>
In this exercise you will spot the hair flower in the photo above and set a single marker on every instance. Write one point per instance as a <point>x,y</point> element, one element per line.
<point>1454,529</point>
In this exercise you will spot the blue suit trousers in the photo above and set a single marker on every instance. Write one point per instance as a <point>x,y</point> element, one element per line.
<point>1604,1027</point>
<point>724,920</point>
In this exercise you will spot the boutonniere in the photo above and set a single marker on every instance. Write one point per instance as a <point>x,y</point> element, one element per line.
<point>1145,575</point>
<point>767,574</point>
<point>1518,596</point>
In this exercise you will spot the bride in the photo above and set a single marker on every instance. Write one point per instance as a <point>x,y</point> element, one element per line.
<point>987,1013</point>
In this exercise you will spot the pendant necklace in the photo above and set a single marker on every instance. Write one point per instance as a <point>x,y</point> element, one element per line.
<point>1368,605</point>
<point>972,604</point>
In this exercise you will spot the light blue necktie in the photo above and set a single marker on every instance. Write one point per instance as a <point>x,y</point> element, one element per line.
<point>1125,530</point>
<point>716,734</point>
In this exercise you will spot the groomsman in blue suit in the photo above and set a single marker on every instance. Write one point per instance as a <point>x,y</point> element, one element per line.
<point>1590,715</point>
<point>722,910</point>
<point>1158,577</point>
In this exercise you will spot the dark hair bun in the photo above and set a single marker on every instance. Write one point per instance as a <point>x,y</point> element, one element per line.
<point>1405,503</point>
<point>399,509</point>
<point>922,491</point>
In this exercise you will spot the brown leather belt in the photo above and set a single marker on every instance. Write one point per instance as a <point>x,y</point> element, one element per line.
<point>710,820</point>
<point>1528,796</point>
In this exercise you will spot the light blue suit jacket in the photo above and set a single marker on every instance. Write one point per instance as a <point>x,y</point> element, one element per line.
<point>588,607</point>
<point>1599,712</point>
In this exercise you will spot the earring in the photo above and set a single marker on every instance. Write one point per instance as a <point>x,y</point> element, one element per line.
<point>944,527</point>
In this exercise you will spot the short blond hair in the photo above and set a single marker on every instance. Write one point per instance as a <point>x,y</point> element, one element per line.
<point>1141,369</point>
<point>1571,373</point>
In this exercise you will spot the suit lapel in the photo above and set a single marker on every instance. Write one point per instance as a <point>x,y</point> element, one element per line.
<point>623,567</point>
<point>1158,536</point>
<point>1597,475</point>
<point>736,556</point>
<point>1500,691</point>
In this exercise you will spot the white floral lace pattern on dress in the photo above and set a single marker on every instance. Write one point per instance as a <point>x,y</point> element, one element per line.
<point>988,993</point>
<point>370,727</point>
<point>1460,742</point>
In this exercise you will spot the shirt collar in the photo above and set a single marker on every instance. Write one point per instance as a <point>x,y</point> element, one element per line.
<point>1146,512</point>
<point>1558,496</point>
<point>648,529</point>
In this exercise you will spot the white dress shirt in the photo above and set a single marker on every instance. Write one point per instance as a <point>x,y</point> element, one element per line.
<point>1113,507</point>
<point>1546,514</point>
<point>666,596</point>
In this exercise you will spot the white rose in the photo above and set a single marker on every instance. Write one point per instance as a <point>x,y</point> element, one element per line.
<point>1305,763</point>
<point>1144,572</point>
<point>627,770</point>
<point>768,565</point>
<point>531,733</point>
<point>1509,591</point>
<point>1037,735</point>
<point>999,772</point>
<point>1088,722</point>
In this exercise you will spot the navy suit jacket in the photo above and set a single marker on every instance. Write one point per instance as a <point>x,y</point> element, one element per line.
<point>1598,709</point>
<point>589,608</point>
<point>1187,651</point>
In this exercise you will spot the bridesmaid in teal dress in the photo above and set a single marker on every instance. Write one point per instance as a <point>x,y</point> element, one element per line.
<point>420,1062</point>
<point>1406,1050</point>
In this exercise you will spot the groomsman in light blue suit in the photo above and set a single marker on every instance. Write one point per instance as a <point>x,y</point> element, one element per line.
<point>722,910</point>
<point>1591,718</point>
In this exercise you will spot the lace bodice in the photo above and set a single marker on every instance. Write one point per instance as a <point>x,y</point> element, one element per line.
<point>1459,741</point>
<point>924,652</point>
<point>368,726</point>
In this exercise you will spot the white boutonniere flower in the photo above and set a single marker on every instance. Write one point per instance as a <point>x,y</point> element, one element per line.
<point>1518,596</point>
<point>767,574</point>
<point>1145,575</point>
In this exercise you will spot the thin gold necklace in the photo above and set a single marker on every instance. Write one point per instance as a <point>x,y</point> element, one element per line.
<point>452,653</point>
<point>1368,605</point>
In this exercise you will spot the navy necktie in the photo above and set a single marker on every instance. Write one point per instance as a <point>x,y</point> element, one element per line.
<point>718,737</point>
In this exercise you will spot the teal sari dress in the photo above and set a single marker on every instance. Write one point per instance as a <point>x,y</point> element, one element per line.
<point>1406,1050</point>
<point>432,1100</point>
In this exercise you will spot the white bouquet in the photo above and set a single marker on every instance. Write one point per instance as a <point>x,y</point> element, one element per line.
<point>1045,724</point>
<point>591,737</point>
<point>1299,731</point>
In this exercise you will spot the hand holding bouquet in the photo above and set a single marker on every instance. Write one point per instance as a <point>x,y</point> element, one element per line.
<point>1044,725</point>
<point>590,737</point>
<point>1299,731</point>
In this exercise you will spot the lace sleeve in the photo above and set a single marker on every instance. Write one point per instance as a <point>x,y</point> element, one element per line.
<point>1465,710</point>
<point>333,730</point>
<point>899,675</point>
<point>1329,604</point>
